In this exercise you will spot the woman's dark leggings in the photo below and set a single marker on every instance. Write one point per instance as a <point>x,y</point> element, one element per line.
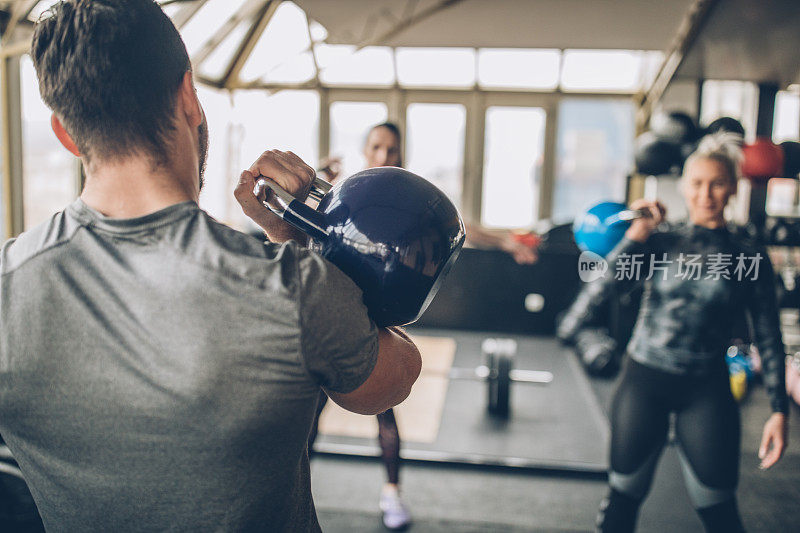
<point>707,428</point>
<point>388,438</point>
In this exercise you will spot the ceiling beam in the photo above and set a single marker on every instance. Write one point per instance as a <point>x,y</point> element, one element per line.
<point>313,49</point>
<point>246,11</point>
<point>17,48</point>
<point>20,11</point>
<point>186,12</point>
<point>407,22</point>
<point>231,78</point>
<point>690,27</point>
<point>216,84</point>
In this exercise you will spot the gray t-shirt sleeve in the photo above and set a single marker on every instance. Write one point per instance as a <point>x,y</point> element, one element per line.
<point>339,341</point>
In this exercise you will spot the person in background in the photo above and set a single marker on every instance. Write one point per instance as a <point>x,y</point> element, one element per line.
<point>382,148</point>
<point>699,275</point>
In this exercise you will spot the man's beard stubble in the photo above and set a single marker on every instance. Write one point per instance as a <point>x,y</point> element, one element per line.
<point>202,141</point>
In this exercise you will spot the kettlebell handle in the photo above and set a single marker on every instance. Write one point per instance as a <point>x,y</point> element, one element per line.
<point>305,218</point>
<point>319,188</point>
<point>626,216</point>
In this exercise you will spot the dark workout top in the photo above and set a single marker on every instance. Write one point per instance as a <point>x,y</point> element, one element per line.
<point>697,282</point>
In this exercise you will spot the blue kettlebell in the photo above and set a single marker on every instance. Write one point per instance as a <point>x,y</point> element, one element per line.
<point>602,227</point>
<point>394,233</point>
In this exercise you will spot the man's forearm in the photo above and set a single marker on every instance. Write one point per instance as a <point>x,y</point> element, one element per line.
<point>407,361</point>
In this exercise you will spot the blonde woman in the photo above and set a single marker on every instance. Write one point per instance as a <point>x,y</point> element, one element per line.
<point>697,276</point>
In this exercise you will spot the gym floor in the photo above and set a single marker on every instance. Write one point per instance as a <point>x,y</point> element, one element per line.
<point>458,498</point>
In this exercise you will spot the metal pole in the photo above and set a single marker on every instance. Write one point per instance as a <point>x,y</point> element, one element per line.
<point>547,185</point>
<point>690,27</point>
<point>764,122</point>
<point>767,92</point>
<point>11,146</point>
<point>407,23</point>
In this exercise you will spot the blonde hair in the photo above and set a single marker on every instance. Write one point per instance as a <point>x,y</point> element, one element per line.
<point>724,147</point>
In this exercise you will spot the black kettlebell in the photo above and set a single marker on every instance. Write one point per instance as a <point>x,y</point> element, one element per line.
<point>656,156</point>
<point>597,350</point>
<point>676,126</point>
<point>728,124</point>
<point>394,233</point>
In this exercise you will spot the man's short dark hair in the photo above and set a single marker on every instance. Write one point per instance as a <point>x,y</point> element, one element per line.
<point>110,70</point>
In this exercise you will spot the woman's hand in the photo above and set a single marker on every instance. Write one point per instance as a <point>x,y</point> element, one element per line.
<point>503,240</point>
<point>522,254</point>
<point>642,227</point>
<point>773,440</point>
<point>331,167</point>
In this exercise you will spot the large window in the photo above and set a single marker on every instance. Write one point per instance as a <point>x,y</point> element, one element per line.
<point>518,68</point>
<point>436,67</point>
<point>219,59</point>
<point>737,99</point>
<point>782,197</point>
<point>512,168</point>
<point>608,70</point>
<point>286,120</point>
<point>283,53</point>
<point>49,170</point>
<point>435,145</point>
<point>787,116</point>
<point>222,168</point>
<point>593,154</point>
<point>350,123</point>
<point>208,17</point>
<point>340,64</point>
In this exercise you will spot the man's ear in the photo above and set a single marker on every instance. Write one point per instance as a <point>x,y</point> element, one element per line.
<point>63,136</point>
<point>189,103</point>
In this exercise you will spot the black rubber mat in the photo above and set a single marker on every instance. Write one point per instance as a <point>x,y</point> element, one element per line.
<point>557,426</point>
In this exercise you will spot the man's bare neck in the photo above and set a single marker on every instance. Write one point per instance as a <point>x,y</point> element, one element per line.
<point>132,188</point>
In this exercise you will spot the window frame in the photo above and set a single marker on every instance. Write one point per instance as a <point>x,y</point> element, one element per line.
<point>476,102</point>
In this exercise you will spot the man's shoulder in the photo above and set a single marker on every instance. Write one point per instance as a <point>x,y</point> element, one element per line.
<point>241,255</point>
<point>251,249</point>
<point>47,236</point>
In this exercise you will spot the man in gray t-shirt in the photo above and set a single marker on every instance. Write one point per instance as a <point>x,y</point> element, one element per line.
<point>158,370</point>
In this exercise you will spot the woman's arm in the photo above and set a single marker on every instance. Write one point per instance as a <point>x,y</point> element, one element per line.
<point>621,274</point>
<point>763,308</point>
<point>588,305</point>
<point>479,236</point>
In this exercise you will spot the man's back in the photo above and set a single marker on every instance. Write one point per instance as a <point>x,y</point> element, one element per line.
<point>162,372</point>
